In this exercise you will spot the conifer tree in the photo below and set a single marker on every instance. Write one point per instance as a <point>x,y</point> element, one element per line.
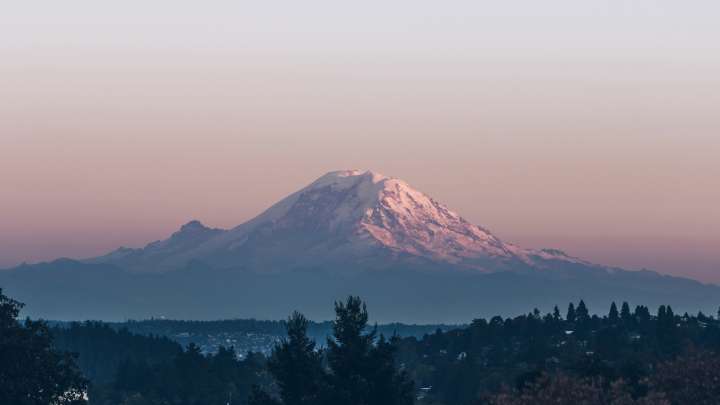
<point>613,316</point>
<point>348,351</point>
<point>669,313</point>
<point>363,373</point>
<point>582,312</point>
<point>389,386</point>
<point>571,315</point>
<point>625,314</point>
<point>296,365</point>
<point>556,313</point>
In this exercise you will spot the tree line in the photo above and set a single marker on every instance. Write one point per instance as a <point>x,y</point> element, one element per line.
<point>527,355</point>
<point>120,368</point>
<point>625,357</point>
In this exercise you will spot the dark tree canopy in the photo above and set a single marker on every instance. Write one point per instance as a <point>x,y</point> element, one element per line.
<point>625,314</point>
<point>31,371</point>
<point>363,368</point>
<point>613,315</point>
<point>622,358</point>
<point>562,389</point>
<point>360,368</point>
<point>296,365</point>
<point>582,313</point>
<point>571,314</point>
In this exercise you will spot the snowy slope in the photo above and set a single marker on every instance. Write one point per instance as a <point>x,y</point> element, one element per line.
<point>347,217</point>
<point>348,232</point>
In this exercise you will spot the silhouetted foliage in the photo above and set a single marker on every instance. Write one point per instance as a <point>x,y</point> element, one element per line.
<point>462,366</point>
<point>103,349</point>
<point>296,365</point>
<point>690,379</point>
<point>623,358</point>
<point>189,378</point>
<point>361,367</point>
<point>31,371</point>
<point>571,315</point>
<point>613,316</point>
<point>566,390</point>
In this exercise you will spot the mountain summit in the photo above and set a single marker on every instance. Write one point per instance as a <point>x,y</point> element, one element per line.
<point>348,232</point>
<point>349,218</point>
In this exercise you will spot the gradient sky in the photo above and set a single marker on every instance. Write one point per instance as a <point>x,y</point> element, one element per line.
<point>589,126</point>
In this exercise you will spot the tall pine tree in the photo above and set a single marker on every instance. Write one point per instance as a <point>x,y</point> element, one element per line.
<point>361,367</point>
<point>362,372</point>
<point>296,366</point>
<point>625,314</point>
<point>556,313</point>
<point>582,313</point>
<point>571,315</point>
<point>613,316</point>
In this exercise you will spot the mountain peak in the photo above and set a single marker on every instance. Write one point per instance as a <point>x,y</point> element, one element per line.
<point>347,216</point>
<point>347,178</point>
<point>193,225</point>
<point>194,230</point>
<point>345,173</point>
<point>366,208</point>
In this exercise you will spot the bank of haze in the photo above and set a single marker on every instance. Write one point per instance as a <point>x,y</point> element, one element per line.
<point>348,232</point>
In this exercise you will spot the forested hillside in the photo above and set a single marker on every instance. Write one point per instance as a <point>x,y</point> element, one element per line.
<point>624,357</point>
<point>505,355</point>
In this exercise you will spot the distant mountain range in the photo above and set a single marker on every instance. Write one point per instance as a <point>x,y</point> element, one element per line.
<point>349,232</point>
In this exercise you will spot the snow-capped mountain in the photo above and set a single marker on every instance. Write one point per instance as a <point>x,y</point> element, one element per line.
<point>349,232</point>
<point>348,218</point>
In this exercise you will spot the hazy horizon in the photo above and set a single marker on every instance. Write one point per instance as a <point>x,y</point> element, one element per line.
<point>119,123</point>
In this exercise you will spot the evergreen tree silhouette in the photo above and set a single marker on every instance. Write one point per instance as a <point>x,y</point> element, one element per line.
<point>32,372</point>
<point>296,365</point>
<point>571,315</point>
<point>625,314</point>
<point>556,313</point>
<point>582,313</point>
<point>613,315</point>
<point>363,373</point>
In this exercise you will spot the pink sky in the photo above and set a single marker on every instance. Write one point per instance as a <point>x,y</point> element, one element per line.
<point>587,127</point>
